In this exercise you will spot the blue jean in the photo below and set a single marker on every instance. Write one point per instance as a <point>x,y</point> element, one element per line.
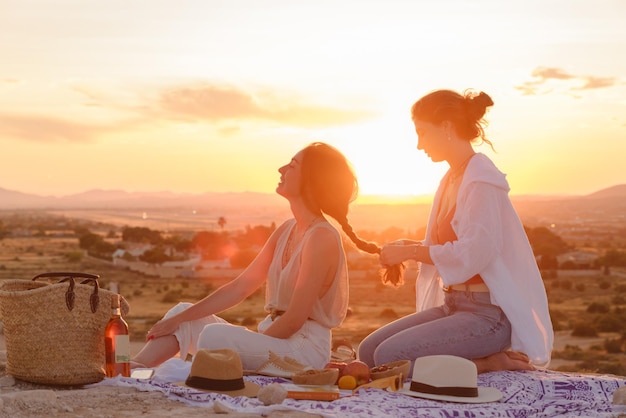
<point>466,325</point>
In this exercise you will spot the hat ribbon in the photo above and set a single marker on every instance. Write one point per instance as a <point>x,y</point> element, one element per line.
<point>215,384</point>
<point>445,390</point>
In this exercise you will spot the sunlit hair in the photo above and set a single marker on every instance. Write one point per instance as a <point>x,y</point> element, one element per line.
<point>329,185</point>
<point>466,112</point>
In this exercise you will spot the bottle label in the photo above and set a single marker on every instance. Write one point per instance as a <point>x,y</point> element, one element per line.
<point>122,349</point>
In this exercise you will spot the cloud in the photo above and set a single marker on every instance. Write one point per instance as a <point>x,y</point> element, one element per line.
<point>598,82</point>
<point>45,129</point>
<point>548,79</point>
<point>544,74</point>
<point>209,102</point>
<point>223,106</point>
<point>226,103</point>
<point>52,129</point>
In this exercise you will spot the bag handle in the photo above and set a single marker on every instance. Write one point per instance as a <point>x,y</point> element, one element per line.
<point>70,295</point>
<point>68,275</point>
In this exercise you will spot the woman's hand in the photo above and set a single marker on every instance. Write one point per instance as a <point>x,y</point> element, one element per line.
<point>163,328</point>
<point>397,252</point>
<point>392,254</point>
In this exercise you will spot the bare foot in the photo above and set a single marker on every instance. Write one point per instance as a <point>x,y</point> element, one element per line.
<point>517,355</point>
<point>504,360</point>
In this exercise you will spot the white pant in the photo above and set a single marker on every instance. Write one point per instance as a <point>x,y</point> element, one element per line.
<point>309,345</point>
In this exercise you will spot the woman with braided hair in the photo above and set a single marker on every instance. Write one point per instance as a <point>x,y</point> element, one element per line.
<point>303,265</point>
<point>479,293</point>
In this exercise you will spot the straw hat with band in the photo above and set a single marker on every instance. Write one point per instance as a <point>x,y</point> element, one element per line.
<point>219,371</point>
<point>448,378</point>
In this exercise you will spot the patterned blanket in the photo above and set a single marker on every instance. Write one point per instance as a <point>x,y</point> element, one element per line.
<point>526,394</point>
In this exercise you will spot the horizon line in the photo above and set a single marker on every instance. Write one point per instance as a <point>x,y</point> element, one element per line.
<point>361,198</point>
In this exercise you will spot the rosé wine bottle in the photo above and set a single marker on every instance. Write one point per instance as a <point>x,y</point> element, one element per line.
<point>117,342</point>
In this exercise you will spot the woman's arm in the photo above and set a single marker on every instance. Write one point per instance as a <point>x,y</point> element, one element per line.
<point>318,267</point>
<point>392,253</point>
<point>227,295</point>
<point>478,227</point>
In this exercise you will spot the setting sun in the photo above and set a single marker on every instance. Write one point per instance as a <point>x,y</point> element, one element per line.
<point>385,157</point>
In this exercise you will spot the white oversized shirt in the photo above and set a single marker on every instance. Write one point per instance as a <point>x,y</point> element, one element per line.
<point>491,242</point>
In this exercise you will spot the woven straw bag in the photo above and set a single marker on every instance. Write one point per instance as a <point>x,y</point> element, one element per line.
<point>54,333</point>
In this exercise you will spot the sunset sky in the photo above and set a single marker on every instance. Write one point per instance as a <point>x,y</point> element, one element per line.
<point>214,96</point>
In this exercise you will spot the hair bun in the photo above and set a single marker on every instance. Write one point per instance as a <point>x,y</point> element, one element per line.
<point>477,103</point>
<point>483,99</point>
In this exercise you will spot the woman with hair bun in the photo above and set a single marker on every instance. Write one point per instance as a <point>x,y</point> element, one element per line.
<point>303,265</point>
<point>479,292</point>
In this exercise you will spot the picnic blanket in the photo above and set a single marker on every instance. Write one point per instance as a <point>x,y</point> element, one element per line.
<point>541,393</point>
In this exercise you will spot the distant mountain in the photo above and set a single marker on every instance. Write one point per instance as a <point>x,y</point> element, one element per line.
<point>167,210</point>
<point>10,199</point>
<point>606,205</point>
<point>610,192</point>
<point>118,199</point>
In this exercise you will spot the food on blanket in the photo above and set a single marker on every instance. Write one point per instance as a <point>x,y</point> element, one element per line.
<point>391,369</point>
<point>339,365</point>
<point>347,382</point>
<point>343,351</point>
<point>336,365</point>
<point>316,377</point>
<point>359,370</point>
<point>312,392</point>
<point>274,393</point>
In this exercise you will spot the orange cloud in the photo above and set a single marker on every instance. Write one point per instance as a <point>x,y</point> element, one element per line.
<point>55,129</point>
<point>223,106</point>
<point>209,102</point>
<point>45,129</point>
<point>544,75</point>
<point>219,103</point>
<point>598,82</point>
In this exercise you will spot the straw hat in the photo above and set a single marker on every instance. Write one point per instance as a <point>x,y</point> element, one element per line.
<point>219,371</point>
<point>448,378</point>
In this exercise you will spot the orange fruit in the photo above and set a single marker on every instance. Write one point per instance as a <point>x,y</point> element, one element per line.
<point>347,382</point>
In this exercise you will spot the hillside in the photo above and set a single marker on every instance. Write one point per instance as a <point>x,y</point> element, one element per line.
<point>101,199</point>
<point>168,210</point>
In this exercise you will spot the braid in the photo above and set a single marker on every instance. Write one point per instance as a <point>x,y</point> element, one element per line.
<point>391,275</point>
<point>328,185</point>
<point>368,247</point>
